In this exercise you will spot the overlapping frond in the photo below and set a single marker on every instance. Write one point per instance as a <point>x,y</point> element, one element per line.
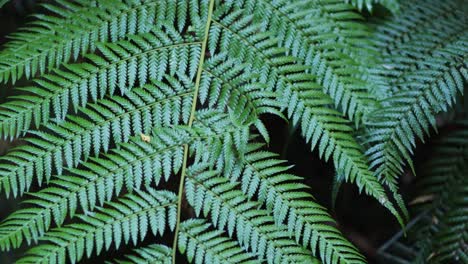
<point>132,166</point>
<point>422,30</point>
<point>205,245</point>
<point>154,253</point>
<point>301,93</point>
<point>142,57</point>
<point>112,120</point>
<point>228,208</point>
<point>125,221</point>
<point>265,177</point>
<point>324,128</point>
<point>427,69</point>
<point>74,28</point>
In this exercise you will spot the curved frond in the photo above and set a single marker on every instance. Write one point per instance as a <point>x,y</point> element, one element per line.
<point>301,93</point>
<point>142,57</point>
<point>125,221</point>
<point>230,209</point>
<point>131,166</point>
<point>429,69</point>
<point>337,26</point>
<point>265,177</point>
<point>325,129</point>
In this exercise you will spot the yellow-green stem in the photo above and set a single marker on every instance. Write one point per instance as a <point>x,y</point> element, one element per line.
<point>190,122</point>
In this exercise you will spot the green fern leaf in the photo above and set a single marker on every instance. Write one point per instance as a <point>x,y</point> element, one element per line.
<point>84,82</point>
<point>284,75</point>
<point>114,119</point>
<point>123,222</point>
<point>75,29</point>
<point>118,97</point>
<point>264,176</point>
<point>297,31</point>
<point>229,208</point>
<point>131,166</point>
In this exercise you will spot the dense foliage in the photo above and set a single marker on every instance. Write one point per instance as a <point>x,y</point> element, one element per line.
<point>146,118</point>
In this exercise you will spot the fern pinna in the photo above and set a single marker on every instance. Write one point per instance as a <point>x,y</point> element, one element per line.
<point>144,120</point>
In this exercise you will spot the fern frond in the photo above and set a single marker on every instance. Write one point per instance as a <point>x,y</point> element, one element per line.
<point>438,79</point>
<point>408,114</point>
<point>142,57</point>
<point>337,68</point>
<point>131,165</point>
<point>127,220</point>
<point>230,209</point>
<point>203,245</point>
<point>112,120</point>
<point>264,176</point>
<point>127,94</point>
<point>74,28</point>
<point>440,233</point>
<point>325,129</point>
<point>283,74</point>
<point>154,253</point>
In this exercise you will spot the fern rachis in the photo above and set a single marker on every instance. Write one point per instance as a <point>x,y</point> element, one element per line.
<point>143,119</point>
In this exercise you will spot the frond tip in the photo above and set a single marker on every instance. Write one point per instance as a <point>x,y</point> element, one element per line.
<point>265,176</point>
